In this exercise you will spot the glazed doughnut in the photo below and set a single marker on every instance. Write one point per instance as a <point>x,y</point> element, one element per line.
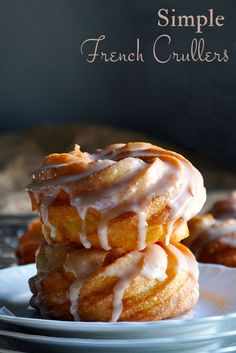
<point>225,208</point>
<point>158,282</point>
<point>29,242</point>
<point>124,196</point>
<point>213,240</point>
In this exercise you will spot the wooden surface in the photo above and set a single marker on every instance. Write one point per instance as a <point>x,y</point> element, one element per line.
<point>23,151</point>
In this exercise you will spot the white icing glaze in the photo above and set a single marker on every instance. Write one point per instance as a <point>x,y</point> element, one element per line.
<point>44,215</point>
<point>74,298</point>
<point>105,201</point>
<point>150,263</point>
<point>150,171</point>
<point>225,208</point>
<point>50,192</point>
<point>46,167</point>
<point>213,230</point>
<point>81,264</point>
<point>142,229</point>
<point>186,263</point>
<point>155,263</point>
<point>154,266</point>
<point>125,274</point>
<point>182,264</point>
<point>229,241</point>
<point>83,234</point>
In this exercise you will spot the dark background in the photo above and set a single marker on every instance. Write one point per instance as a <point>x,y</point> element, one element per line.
<point>44,78</point>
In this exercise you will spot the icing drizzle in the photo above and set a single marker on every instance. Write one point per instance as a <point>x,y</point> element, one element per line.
<point>81,264</point>
<point>138,172</point>
<point>150,263</point>
<point>211,229</point>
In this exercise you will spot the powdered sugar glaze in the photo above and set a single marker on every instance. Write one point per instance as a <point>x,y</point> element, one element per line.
<point>139,171</point>
<point>211,229</point>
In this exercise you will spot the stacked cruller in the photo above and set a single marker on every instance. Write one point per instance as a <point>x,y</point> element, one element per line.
<point>213,234</point>
<point>112,223</point>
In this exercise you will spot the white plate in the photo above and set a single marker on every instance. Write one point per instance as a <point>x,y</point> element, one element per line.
<point>215,312</point>
<point>231,349</point>
<point>126,345</point>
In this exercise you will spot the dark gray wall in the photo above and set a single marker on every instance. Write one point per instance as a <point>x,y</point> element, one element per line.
<point>43,76</point>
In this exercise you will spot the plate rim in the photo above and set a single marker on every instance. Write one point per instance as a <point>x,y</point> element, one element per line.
<point>120,342</point>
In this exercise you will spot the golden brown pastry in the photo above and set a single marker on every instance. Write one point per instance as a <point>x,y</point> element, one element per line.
<point>225,207</point>
<point>117,285</point>
<point>124,196</point>
<point>29,242</point>
<point>112,221</point>
<point>213,240</point>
